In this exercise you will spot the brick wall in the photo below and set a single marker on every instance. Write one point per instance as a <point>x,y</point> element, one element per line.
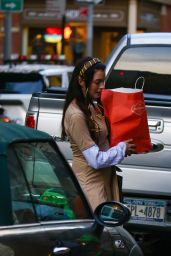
<point>16,33</point>
<point>166,19</point>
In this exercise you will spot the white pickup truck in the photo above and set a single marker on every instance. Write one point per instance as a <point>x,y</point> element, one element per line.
<point>146,177</point>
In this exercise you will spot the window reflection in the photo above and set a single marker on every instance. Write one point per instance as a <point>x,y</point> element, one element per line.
<point>51,189</point>
<point>152,63</point>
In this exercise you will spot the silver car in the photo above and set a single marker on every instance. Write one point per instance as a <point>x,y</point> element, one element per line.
<point>147,177</point>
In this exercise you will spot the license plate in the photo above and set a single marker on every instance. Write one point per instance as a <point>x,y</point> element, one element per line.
<point>146,209</point>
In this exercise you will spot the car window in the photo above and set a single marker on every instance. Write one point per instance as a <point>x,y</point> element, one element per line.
<point>51,189</point>
<point>22,208</point>
<point>21,82</point>
<point>55,80</point>
<point>152,63</point>
<point>22,87</point>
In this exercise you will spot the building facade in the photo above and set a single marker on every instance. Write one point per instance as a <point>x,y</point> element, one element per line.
<point>38,28</point>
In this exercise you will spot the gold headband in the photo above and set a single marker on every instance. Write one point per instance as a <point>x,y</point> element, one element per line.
<point>87,65</point>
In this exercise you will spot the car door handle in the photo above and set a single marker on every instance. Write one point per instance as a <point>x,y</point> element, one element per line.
<point>155,125</point>
<point>61,251</point>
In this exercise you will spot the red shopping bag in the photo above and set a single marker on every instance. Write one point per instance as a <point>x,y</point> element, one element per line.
<point>126,113</point>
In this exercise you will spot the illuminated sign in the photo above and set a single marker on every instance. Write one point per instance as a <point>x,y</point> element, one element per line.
<point>54,34</point>
<point>67,32</point>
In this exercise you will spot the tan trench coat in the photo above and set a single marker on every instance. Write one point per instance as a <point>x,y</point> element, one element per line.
<point>99,185</point>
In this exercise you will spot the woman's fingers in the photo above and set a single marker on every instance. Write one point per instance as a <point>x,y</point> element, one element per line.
<point>130,147</point>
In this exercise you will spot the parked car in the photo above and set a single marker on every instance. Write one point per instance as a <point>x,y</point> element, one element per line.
<point>57,75</point>
<point>43,210</point>
<point>18,82</point>
<point>146,177</point>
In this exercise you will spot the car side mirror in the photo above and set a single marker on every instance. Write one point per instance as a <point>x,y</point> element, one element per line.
<point>112,214</point>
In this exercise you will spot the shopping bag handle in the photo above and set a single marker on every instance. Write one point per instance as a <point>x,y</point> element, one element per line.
<point>143,81</point>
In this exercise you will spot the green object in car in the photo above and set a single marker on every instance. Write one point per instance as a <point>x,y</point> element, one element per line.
<point>51,196</point>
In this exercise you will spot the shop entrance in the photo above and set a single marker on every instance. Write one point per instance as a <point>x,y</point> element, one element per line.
<point>42,43</point>
<point>48,41</point>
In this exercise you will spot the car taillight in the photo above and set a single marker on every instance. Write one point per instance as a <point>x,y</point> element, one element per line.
<point>30,121</point>
<point>5,119</point>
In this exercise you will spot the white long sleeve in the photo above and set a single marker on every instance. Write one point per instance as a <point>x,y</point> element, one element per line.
<point>100,159</point>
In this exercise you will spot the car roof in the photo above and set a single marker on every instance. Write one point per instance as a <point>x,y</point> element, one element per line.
<point>150,38</point>
<point>53,71</point>
<point>11,133</point>
<point>28,68</point>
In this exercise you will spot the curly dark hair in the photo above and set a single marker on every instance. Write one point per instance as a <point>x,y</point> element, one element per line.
<point>75,92</point>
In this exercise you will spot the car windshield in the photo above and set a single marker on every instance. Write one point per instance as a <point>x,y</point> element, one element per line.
<point>20,83</point>
<point>49,184</point>
<point>54,80</point>
<point>21,87</point>
<point>151,63</point>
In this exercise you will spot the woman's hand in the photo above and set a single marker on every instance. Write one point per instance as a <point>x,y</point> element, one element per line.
<point>130,147</point>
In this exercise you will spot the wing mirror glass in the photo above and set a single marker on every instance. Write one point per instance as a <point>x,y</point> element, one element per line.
<point>112,214</point>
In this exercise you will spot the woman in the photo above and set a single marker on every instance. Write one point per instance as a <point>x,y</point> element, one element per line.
<point>84,124</point>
